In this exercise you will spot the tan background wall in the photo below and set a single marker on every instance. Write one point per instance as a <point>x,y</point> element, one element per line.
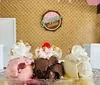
<point>80,23</point>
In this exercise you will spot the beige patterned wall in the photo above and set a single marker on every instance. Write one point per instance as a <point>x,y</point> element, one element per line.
<point>80,23</point>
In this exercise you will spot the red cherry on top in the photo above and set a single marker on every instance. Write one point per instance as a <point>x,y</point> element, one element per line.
<point>46,44</point>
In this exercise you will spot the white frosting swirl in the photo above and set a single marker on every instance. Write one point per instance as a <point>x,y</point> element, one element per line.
<point>48,52</point>
<point>21,49</point>
<point>77,54</point>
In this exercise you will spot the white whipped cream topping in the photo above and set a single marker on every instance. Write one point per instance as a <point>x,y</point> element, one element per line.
<point>78,51</point>
<point>77,54</point>
<point>20,49</point>
<point>48,52</point>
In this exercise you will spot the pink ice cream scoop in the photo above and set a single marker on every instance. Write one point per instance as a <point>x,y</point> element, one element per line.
<point>20,69</point>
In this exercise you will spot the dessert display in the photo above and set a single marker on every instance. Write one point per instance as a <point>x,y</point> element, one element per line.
<point>47,67</point>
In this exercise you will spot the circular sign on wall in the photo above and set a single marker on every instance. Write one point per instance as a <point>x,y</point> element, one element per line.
<point>51,20</point>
